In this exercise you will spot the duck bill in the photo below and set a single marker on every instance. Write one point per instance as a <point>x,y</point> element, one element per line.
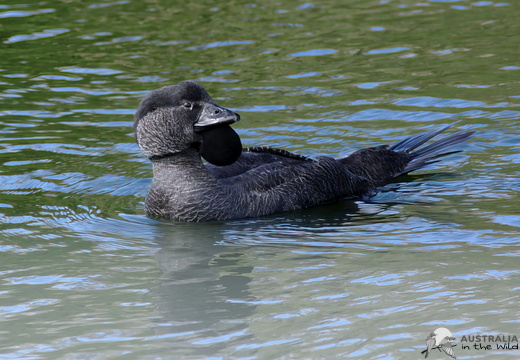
<point>213,115</point>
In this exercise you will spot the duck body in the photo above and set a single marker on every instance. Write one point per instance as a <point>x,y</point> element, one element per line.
<point>177,125</point>
<point>185,189</point>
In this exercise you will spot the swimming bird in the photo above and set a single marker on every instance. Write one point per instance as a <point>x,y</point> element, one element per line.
<point>176,125</point>
<point>440,339</point>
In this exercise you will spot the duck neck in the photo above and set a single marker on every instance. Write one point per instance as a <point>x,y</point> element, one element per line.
<point>186,157</point>
<point>187,162</point>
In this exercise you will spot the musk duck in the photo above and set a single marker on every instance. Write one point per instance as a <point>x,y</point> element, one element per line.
<point>178,125</point>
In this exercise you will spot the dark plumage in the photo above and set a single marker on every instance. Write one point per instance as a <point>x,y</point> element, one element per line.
<point>175,125</point>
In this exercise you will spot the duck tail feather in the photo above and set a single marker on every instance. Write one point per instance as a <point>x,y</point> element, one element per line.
<point>413,142</point>
<point>429,154</point>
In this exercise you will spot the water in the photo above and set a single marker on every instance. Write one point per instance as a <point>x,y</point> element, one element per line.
<point>85,275</point>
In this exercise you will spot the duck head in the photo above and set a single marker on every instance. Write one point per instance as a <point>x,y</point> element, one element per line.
<point>175,118</point>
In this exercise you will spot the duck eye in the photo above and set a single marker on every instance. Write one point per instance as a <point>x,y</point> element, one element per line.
<point>187,105</point>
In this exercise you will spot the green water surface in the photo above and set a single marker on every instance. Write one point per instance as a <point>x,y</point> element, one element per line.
<point>85,275</point>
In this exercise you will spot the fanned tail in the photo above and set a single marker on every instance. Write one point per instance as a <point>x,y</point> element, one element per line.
<point>381,164</point>
<point>412,142</point>
<point>429,154</point>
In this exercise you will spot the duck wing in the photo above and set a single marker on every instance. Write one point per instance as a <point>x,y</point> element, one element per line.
<point>267,180</point>
<point>282,186</point>
<point>254,157</point>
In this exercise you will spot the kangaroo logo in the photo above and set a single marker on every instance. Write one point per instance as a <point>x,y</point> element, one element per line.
<point>441,340</point>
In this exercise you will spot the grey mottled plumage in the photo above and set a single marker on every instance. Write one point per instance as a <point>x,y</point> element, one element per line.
<point>172,123</point>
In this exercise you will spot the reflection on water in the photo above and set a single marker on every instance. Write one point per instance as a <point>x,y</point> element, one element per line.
<point>85,275</point>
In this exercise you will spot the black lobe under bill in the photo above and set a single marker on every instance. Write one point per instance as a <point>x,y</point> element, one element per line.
<point>220,146</point>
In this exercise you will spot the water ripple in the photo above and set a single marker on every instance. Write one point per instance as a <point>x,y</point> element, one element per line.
<point>107,4</point>
<point>35,36</point>
<point>95,71</point>
<point>314,52</point>
<point>219,44</point>
<point>20,13</point>
<point>386,50</point>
